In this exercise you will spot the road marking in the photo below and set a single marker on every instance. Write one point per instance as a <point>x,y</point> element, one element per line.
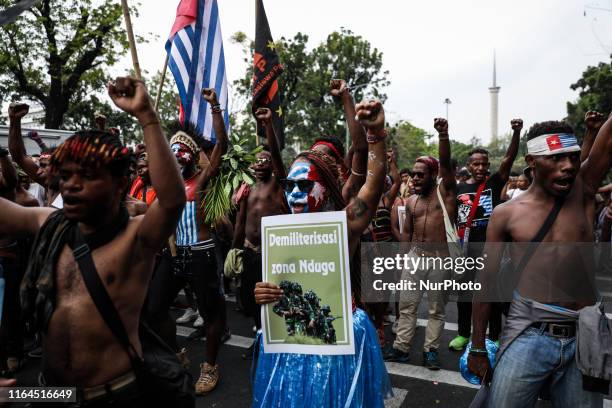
<point>401,370</point>
<point>399,395</point>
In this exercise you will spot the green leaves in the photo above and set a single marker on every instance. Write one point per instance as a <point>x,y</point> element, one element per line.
<point>234,171</point>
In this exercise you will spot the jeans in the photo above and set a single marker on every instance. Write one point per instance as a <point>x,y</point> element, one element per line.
<point>537,364</point>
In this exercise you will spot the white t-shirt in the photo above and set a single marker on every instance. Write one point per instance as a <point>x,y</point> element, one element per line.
<point>515,192</point>
<point>38,192</point>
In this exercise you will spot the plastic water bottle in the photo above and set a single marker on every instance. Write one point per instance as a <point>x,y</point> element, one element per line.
<point>463,367</point>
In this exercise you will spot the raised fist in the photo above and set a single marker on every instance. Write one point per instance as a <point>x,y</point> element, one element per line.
<point>18,110</point>
<point>210,96</point>
<point>100,120</point>
<point>594,120</point>
<point>371,115</point>
<point>263,115</point>
<point>337,87</point>
<point>131,96</point>
<point>517,124</point>
<point>441,125</point>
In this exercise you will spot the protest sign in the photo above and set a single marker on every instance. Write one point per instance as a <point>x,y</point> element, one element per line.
<point>307,256</point>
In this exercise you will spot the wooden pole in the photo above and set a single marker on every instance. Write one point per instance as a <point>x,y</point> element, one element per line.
<point>131,40</point>
<point>161,83</point>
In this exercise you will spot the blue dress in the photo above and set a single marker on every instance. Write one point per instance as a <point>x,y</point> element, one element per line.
<point>301,380</point>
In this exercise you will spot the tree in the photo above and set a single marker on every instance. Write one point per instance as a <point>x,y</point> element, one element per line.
<point>409,142</point>
<point>595,93</point>
<point>309,110</point>
<point>56,53</point>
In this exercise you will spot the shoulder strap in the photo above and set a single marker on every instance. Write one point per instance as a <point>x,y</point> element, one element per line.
<point>475,204</point>
<point>98,292</point>
<point>548,223</point>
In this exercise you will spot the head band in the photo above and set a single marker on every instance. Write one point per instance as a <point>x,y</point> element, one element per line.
<point>184,138</point>
<point>430,162</point>
<point>548,145</point>
<point>330,146</point>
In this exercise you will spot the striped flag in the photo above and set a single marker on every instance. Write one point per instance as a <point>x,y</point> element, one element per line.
<point>197,61</point>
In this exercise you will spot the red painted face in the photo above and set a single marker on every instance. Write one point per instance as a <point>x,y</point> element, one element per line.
<point>183,154</point>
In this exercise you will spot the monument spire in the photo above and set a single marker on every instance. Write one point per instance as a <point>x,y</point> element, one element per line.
<point>494,91</point>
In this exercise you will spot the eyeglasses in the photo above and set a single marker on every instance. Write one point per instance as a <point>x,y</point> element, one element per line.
<point>263,160</point>
<point>302,185</point>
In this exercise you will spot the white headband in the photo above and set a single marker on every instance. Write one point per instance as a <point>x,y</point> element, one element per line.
<point>548,145</point>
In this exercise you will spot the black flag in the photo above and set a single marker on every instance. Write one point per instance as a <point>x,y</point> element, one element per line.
<point>266,69</point>
<point>10,14</point>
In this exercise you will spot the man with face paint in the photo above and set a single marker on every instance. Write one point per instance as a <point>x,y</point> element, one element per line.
<point>265,198</point>
<point>38,173</point>
<point>196,256</point>
<point>312,186</point>
<point>424,226</point>
<point>490,196</point>
<point>535,355</point>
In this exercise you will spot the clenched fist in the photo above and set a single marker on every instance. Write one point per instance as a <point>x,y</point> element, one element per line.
<point>371,115</point>
<point>131,96</point>
<point>337,87</point>
<point>210,96</point>
<point>18,110</point>
<point>264,115</point>
<point>441,125</point>
<point>517,124</point>
<point>594,120</point>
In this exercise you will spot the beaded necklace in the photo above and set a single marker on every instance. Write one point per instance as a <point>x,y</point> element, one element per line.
<point>413,218</point>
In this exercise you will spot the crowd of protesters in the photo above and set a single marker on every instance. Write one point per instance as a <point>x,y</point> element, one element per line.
<point>91,216</point>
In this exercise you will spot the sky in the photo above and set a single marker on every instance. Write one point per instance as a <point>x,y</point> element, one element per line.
<point>434,49</point>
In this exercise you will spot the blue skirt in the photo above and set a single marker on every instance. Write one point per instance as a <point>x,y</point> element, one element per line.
<point>301,380</point>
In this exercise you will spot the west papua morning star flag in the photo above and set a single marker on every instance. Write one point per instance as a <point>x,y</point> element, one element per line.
<point>266,69</point>
<point>197,61</point>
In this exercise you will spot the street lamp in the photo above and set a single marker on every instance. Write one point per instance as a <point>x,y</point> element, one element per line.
<point>447,102</point>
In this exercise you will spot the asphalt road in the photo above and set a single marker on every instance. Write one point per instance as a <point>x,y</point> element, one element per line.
<point>414,386</point>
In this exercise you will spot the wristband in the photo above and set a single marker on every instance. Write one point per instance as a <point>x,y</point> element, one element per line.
<point>443,134</point>
<point>357,174</point>
<point>376,137</point>
<point>479,351</point>
<point>153,122</point>
<point>216,108</point>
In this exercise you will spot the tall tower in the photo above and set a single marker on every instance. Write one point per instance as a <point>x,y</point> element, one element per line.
<point>494,90</point>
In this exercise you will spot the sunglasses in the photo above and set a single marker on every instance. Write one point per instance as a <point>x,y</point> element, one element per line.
<point>263,161</point>
<point>302,185</point>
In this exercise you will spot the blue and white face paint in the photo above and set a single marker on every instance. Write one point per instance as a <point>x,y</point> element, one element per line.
<point>303,190</point>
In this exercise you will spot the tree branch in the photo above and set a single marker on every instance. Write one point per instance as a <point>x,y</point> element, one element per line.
<point>20,76</point>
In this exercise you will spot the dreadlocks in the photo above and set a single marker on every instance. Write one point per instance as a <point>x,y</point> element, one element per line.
<point>328,171</point>
<point>93,148</point>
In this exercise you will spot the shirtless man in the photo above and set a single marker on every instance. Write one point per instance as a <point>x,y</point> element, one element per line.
<point>265,198</point>
<point>79,348</point>
<point>38,173</point>
<point>425,225</point>
<point>474,236</point>
<point>536,356</point>
<point>196,256</point>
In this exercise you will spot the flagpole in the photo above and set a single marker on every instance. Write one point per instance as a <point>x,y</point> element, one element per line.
<point>161,83</point>
<point>132,42</point>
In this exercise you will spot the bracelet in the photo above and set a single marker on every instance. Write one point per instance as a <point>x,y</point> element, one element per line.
<point>216,108</point>
<point>357,174</point>
<point>376,137</point>
<point>479,351</point>
<point>443,135</point>
<point>153,122</point>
